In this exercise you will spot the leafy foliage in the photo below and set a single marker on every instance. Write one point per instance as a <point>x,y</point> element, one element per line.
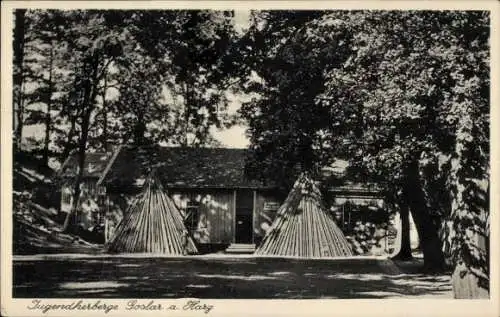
<point>288,129</point>
<point>159,76</point>
<point>403,94</point>
<point>100,76</point>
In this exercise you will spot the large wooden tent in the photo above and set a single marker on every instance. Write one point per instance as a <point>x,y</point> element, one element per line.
<point>303,227</point>
<point>152,224</point>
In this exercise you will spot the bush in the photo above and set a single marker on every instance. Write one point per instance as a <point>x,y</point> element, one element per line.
<point>367,236</point>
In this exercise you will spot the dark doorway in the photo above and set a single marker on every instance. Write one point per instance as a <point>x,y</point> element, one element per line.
<point>244,216</point>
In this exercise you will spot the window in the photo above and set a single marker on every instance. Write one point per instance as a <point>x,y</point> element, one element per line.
<point>90,187</point>
<point>346,216</point>
<point>192,215</point>
<point>66,196</point>
<point>91,168</point>
<point>350,214</point>
<point>101,190</point>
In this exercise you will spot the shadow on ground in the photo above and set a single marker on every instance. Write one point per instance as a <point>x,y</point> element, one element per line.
<point>257,278</point>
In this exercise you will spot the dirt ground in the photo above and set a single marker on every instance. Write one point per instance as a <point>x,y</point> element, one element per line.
<point>220,277</point>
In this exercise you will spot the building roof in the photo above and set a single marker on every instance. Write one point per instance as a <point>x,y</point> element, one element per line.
<point>94,166</point>
<point>181,167</point>
<point>187,167</point>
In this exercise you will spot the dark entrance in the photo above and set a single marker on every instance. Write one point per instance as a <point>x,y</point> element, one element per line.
<point>244,216</point>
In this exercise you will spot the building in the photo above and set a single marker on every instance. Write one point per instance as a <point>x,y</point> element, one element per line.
<point>90,215</point>
<point>222,208</point>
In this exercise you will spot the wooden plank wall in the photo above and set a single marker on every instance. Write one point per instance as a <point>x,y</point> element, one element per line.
<point>264,217</point>
<point>216,212</point>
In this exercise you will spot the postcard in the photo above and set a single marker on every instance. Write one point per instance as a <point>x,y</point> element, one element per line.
<point>197,158</point>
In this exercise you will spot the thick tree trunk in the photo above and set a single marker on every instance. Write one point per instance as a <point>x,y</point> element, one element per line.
<point>404,253</point>
<point>470,214</point>
<point>139,130</point>
<point>427,229</point>
<point>470,208</point>
<point>467,284</point>
<point>470,278</point>
<point>18,74</point>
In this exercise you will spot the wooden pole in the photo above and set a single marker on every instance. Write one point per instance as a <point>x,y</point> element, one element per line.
<point>303,227</point>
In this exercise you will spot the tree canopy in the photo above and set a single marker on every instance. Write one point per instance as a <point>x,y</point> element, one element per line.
<point>159,76</point>
<point>404,95</point>
<point>92,77</point>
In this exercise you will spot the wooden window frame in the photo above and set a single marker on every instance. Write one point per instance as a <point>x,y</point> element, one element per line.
<point>192,211</point>
<point>66,197</point>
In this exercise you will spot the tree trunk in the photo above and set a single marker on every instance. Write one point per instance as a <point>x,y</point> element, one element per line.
<point>470,278</point>
<point>82,146</point>
<point>18,74</point>
<point>90,93</point>
<point>470,208</point>
<point>470,238</point>
<point>187,105</point>
<point>48,101</point>
<point>105,115</point>
<point>68,147</point>
<point>139,130</point>
<point>404,253</point>
<point>467,284</point>
<point>427,229</point>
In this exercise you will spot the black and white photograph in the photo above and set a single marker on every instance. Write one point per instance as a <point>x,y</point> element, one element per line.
<point>243,153</point>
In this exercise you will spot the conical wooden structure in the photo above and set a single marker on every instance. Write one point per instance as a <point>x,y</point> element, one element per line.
<point>152,224</point>
<point>303,227</point>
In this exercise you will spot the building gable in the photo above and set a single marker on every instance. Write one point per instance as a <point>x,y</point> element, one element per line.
<point>94,166</point>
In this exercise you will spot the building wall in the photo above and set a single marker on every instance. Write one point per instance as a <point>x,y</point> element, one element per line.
<point>364,221</point>
<point>216,210</point>
<point>91,209</point>
<point>214,222</point>
<point>266,206</point>
<point>66,199</point>
<point>215,218</point>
